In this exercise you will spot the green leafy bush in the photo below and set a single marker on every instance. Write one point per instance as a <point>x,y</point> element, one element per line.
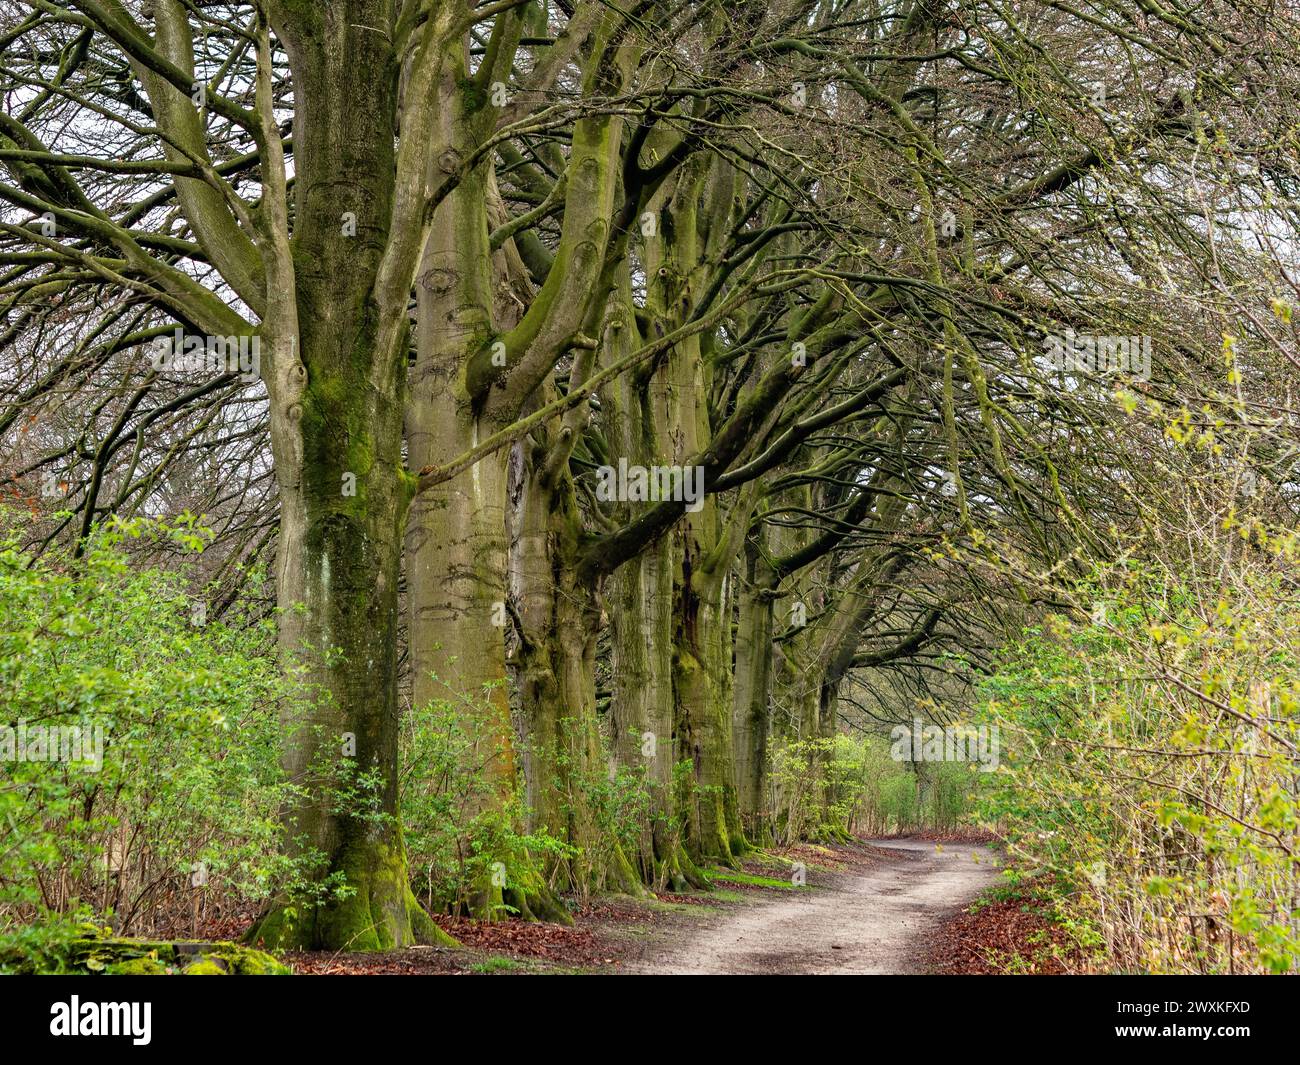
<point>179,819</point>
<point>1150,755</point>
<point>458,834</point>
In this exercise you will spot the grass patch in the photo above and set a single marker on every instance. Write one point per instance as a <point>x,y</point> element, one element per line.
<point>496,965</point>
<point>727,876</point>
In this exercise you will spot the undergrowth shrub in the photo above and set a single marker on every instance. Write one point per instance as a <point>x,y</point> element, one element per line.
<point>1150,758</point>
<point>174,820</point>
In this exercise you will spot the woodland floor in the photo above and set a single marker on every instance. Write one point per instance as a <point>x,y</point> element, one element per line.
<point>883,906</point>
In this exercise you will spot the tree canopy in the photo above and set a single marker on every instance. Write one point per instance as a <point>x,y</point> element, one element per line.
<point>658,389</point>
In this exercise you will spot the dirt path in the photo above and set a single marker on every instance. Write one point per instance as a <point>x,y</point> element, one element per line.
<point>876,921</point>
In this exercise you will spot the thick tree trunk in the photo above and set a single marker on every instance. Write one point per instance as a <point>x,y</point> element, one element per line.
<point>751,712</point>
<point>695,214</point>
<point>336,342</point>
<point>702,703</point>
<point>337,574</point>
<point>643,732</point>
<point>457,544</point>
<point>640,599</point>
<point>560,616</point>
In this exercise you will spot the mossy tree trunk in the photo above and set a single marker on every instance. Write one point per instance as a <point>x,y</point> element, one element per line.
<point>560,609</point>
<point>751,715</point>
<point>491,329</point>
<point>336,329</point>
<point>695,215</point>
<point>456,543</point>
<point>640,596</point>
<point>556,659</point>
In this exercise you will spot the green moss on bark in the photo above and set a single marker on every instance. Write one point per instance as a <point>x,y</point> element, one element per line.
<point>379,912</point>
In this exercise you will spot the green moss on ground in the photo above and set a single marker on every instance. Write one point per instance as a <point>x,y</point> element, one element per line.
<point>138,967</point>
<point>111,956</point>
<point>205,967</point>
<point>729,877</point>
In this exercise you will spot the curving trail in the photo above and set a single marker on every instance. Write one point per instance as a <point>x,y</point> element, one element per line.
<point>876,921</point>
